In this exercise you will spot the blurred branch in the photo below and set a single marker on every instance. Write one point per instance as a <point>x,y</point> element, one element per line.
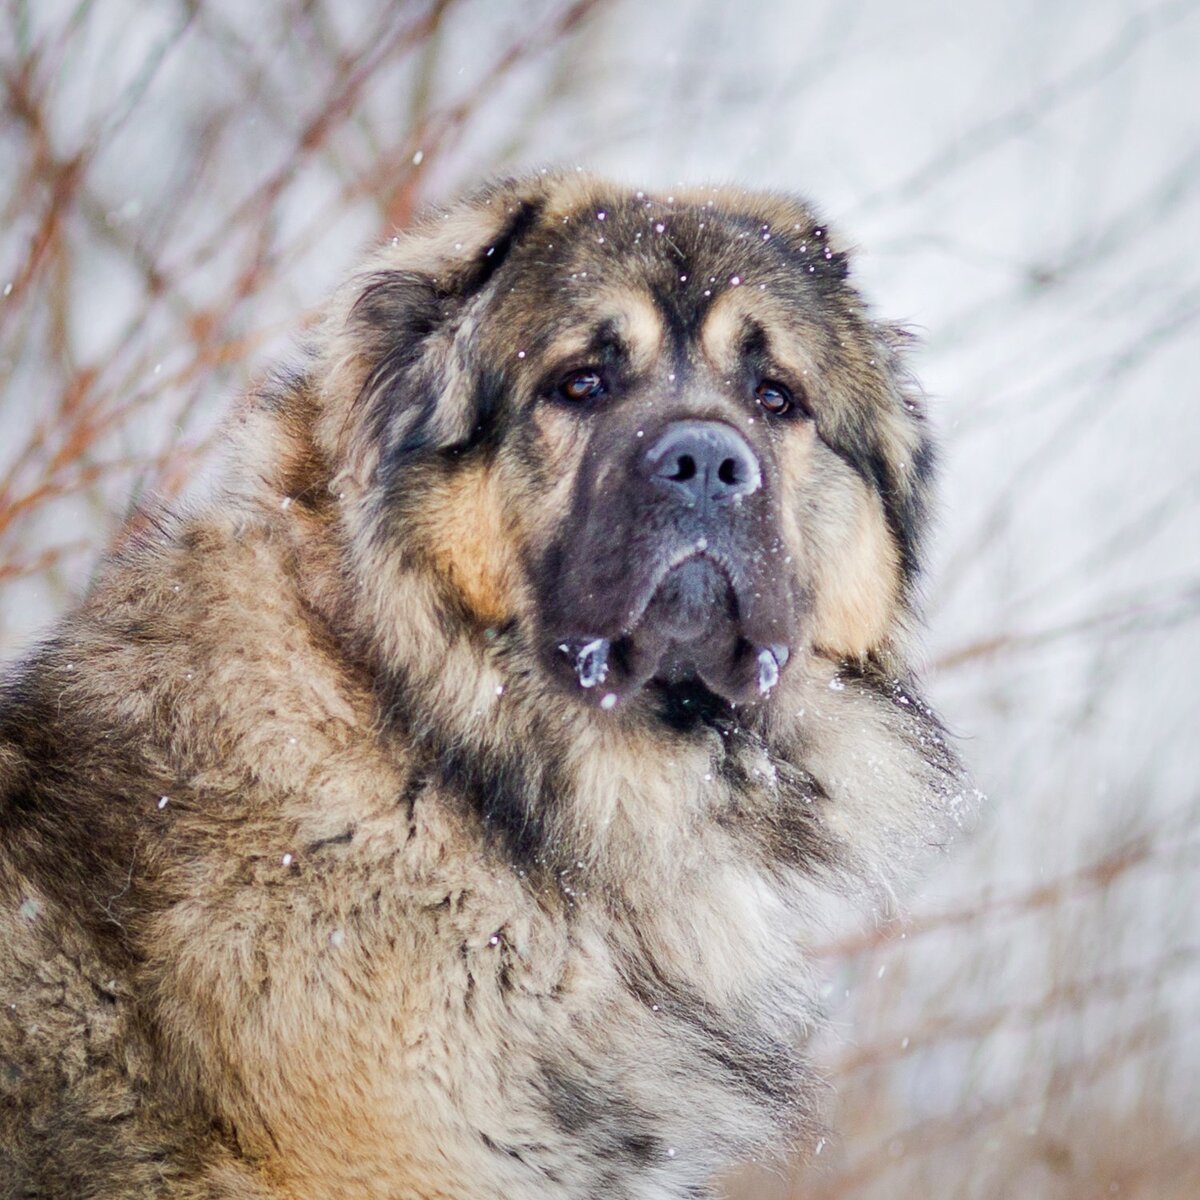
<point>1075,995</point>
<point>62,453</point>
<point>1176,844</point>
<point>927,1136</point>
<point>1127,617</point>
<point>984,137</point>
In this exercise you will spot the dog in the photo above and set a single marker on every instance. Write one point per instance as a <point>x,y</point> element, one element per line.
<point>448,804</point>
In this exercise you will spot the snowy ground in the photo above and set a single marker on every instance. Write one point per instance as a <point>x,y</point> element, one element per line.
<point>1024,181</point>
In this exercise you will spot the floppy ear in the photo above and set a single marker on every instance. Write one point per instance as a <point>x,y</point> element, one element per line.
<point>396,375</point>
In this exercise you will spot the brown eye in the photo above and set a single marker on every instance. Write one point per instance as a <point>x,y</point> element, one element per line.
<point>581,386</point>
<point>774,397</point>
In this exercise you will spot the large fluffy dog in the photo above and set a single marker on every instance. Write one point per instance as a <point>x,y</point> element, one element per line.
<point>445,809</point>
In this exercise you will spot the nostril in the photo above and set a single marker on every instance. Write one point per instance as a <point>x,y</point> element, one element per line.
<point>685,469</point>
<point>701,463</point>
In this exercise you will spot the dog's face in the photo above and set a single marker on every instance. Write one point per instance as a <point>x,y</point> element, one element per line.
<point>659,434</point>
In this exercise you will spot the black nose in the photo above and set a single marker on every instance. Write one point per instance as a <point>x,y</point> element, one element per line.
<point>698,462</point>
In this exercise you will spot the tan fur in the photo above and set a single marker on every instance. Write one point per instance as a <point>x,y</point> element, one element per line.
<point>632,314</point>
<point>726,322</point>
<point>315,884</point>
<point>855,605</point>
<point>467,527</point>
<point>637,318</point>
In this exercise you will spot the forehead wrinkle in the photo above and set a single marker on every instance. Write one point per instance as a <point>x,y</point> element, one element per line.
<point>784,346</point>
<point>737,314</point>
<point>723,329</point>
<point>627,318</point>
<point>679,319</point>
<point>640,324</point>
<point>574,344</point>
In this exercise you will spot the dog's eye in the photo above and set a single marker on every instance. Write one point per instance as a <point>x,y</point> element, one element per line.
<point>581,386</point>
<point>774,397</point>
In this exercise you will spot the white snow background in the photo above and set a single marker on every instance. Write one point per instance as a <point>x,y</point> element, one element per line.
<point>182,183</point>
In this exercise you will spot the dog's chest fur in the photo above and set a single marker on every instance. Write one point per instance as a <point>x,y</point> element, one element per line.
<point>471,1024</point>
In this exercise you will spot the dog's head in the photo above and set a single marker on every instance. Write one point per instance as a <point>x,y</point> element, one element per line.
<point>658,433</point>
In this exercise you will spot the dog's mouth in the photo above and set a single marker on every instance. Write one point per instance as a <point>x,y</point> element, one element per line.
<point>696,619</point>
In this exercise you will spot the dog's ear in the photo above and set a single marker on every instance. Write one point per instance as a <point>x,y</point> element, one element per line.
<point>397,375</point>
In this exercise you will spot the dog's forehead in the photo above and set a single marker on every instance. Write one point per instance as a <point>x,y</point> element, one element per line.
<point>691,268</point>
<point>662,243</point>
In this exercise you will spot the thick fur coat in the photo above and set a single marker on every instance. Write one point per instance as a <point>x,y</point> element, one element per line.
<point>446,808</point>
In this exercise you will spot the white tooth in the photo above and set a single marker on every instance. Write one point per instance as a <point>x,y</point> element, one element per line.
<point>768,671</point>
<point>591,663</point>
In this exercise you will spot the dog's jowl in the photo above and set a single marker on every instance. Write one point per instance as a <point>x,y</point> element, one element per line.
<point>447,807</point>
